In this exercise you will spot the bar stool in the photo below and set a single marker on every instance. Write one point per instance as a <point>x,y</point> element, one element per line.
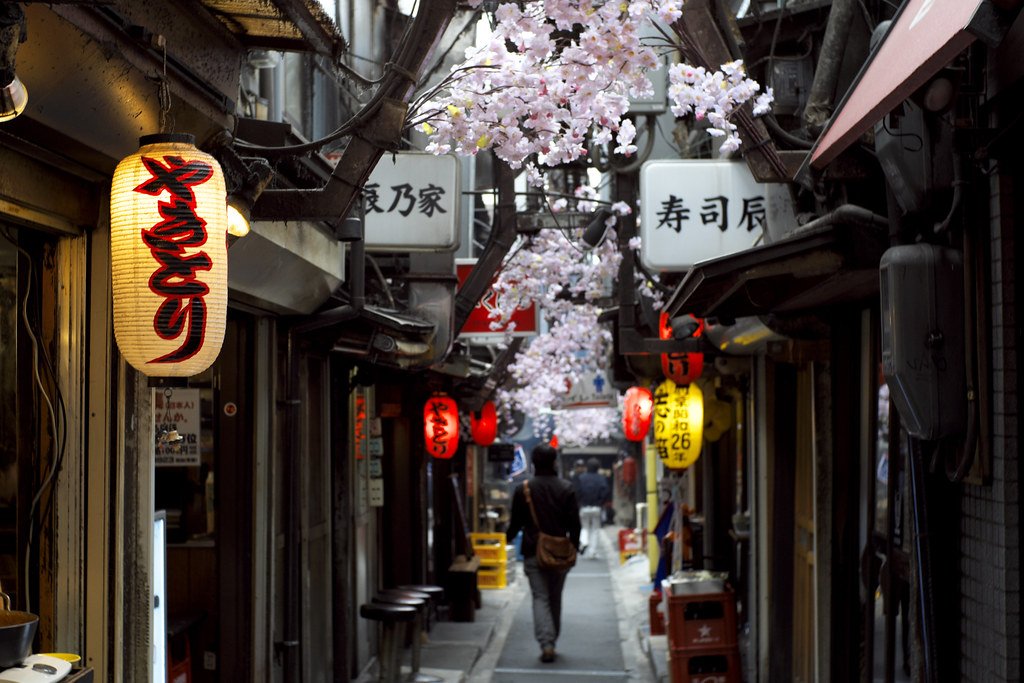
<point>420,602</point>
<point>436,594</point>
<point>389,615</point>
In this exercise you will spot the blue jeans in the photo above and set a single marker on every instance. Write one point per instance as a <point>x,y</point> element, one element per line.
<point>546,586</point>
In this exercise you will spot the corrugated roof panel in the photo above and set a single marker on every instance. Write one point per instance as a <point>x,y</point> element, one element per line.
<point>300,25</point>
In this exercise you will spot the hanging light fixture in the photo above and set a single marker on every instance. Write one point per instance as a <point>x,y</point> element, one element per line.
<point>483,426</point>
<point>636,413</point>
<point>681,368</point>
<point>168,251</point>
<point>13,95</point>
<point>678,423</point>
<point>441,426</point>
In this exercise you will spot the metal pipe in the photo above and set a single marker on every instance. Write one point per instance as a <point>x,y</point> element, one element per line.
<point>847,214</point>
<point>819,102</point>
<point>290,642</point>
<point>922,542</point>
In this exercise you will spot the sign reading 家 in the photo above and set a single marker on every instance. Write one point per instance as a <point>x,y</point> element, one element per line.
<point>412,203</point>
<point>696,209</point>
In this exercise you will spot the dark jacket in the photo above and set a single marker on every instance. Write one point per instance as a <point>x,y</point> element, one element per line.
<point>592,489</point>
<point>557,512</point>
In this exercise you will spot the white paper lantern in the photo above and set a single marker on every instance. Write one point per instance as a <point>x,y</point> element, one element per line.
<point>169,258</point>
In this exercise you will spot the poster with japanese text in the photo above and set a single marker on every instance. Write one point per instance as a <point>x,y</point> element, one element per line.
<point>698,209</point>
<point>177,428</point>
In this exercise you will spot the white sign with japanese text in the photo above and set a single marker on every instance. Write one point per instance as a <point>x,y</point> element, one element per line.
<point>698,209</point>
<point>176,418</point>
<point>412,203</point>
<point>592,391</point>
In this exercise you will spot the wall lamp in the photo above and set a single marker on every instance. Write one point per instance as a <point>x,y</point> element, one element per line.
<point>242,196</point>
<point>13,95</point>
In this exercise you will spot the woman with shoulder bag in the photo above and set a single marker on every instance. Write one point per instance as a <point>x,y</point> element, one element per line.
<point>545,509</point>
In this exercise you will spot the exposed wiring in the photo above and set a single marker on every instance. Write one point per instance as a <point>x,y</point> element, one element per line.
<point>59,435</point>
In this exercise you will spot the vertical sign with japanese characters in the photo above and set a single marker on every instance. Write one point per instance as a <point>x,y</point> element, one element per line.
<point>698,209</point>
<point>412,202</point>
<point>176,422</point>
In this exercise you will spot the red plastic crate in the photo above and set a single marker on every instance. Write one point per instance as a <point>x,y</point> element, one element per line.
<point>705,666</point>
<point>702,621</point>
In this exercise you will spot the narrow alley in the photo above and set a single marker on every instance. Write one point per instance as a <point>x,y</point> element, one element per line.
<point>603,638</point>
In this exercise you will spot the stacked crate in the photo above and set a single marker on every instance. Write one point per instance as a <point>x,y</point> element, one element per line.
<point>490,548</point>
<point>702,638</point>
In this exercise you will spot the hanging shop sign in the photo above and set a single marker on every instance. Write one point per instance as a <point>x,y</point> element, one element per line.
<point>678,423</point>
<point>694,210</point>
<point>593,390</point>
<point>681,368</point>
<point>169,259</point>
<point>636,413</point>
<point>523,322</point>
<point>411,203</point>
<point>441,426</point>
<point>177,427</point>
<point>483,426</point>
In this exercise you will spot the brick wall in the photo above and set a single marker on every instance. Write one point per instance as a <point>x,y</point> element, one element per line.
<point>990,526</point>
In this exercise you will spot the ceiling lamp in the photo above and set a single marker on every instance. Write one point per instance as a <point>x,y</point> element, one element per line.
<point>168,251</point>
<point>636,413</point>
<point>441,426</point>
<point>13,95</point>
<point>678,423</point>
<point>483,426</point>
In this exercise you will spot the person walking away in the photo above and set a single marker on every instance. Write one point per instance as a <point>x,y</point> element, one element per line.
<point>557,514</point>
<point>593,494</point>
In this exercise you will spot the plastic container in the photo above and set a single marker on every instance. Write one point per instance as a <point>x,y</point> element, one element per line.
<point>705,666</point>
<point>491,579</point>
<point>702,621</point>
<point>698,582</point>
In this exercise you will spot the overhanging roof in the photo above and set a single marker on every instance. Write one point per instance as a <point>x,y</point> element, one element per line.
<point>924,36</point>
<point>297,25</point>
<point>821,267</point>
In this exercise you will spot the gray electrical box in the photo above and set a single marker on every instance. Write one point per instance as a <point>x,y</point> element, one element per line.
<point>923,338</point>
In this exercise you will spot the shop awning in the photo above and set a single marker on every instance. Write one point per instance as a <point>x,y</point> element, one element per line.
<point>820,267</point>
<point>924,37</point>
<point>297,25</point>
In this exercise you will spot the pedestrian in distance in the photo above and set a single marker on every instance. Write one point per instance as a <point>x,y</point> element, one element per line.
<point>593,494</point>
<point>546,504</point>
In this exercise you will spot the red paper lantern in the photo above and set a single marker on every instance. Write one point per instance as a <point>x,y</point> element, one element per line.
<point>681,368</point>
<point>441,426</point>
<point>554,441</point>
<point>628,469</point>
<point>484,425</point>
<point>636,413</point>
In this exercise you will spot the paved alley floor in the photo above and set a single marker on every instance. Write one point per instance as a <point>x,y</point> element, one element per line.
<point>598,639</point>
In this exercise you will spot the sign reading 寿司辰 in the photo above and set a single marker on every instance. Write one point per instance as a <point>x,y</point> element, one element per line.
<point>695,209</point>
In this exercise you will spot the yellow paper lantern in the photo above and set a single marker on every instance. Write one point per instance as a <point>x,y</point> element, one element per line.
<point>678,423</point>
<point>169,258</point>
